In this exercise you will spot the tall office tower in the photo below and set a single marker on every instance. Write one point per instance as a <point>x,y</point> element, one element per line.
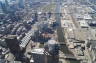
<point>52,47</point>
<point>12,44</point>
<point>49,54</point>
<point>21,3</point>
<point>3,7</point>
<point>40,56</point>
<point>6,3</point>
<point>1,10</point>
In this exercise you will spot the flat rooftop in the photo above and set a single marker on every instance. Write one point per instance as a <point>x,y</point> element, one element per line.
<point>38,51</point>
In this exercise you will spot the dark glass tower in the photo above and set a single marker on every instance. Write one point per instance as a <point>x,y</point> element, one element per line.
<point>21,3</point>
<point>13,44</point>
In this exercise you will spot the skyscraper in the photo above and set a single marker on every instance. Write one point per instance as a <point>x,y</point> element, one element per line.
<point>39,55</point>
<point>12,44</point>
<point>1,10</point>
<point>21,3</point>
<point>4,6</point>
<point>52,47</point>
<point>6,3</point>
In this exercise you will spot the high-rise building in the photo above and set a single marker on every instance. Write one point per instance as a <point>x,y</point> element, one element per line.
<point>6,3</point>
<point>92,46</point>
<point>52,47</point>
<point>21,3</point>
<point>12,44</point>
<point>3,7</point>
<point>38,55</point>
<point>1,10</point>
<point>41,56</point>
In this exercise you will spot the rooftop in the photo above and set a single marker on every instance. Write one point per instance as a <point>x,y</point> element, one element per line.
<point>38,51</point>
<point>83,23</point>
